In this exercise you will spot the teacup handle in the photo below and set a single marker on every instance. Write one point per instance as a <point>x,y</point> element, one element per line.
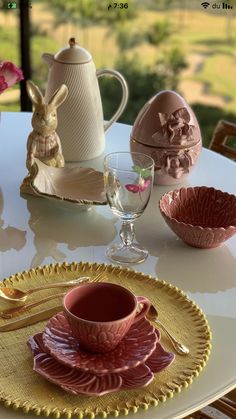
<point>125,93</point>
<point>146,305</point>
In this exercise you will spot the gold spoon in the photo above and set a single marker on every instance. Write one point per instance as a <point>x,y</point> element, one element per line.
<point>179,347</point>
<point>15,295</point>
<point>12,312</point>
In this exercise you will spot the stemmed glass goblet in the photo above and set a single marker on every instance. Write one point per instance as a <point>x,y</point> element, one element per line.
<point>128,179</point>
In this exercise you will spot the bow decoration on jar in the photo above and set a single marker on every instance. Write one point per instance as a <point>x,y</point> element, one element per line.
<point>177,164</point>
<point>176,128</point>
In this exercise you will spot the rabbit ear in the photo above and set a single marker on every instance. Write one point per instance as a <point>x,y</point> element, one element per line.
<point>59,96</point>
<point>34,93</point>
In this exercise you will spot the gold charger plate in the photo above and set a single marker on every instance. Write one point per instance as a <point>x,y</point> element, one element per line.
<point>21,387</point>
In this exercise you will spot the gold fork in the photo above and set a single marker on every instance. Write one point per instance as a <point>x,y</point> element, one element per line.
<point>12,312</point>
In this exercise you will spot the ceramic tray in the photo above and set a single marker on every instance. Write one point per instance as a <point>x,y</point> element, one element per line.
<point>21,387</point>
<point>66,186</point>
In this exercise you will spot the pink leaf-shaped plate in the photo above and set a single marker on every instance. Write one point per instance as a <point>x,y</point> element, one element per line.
<point>134,349</point>
<point>90,384</point>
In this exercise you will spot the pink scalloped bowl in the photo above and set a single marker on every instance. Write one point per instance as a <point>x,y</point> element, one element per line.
<point>202,217</point>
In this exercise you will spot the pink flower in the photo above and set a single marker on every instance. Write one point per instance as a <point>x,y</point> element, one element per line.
<point>144,184</point>
<point>9,75</point>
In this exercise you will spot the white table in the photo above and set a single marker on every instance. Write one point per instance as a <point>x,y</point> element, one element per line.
<point>41,234</point>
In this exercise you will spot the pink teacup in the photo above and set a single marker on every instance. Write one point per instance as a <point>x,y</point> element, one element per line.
<point>100,314</point>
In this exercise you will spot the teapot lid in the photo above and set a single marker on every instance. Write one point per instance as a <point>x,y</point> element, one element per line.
<point>74,54</point>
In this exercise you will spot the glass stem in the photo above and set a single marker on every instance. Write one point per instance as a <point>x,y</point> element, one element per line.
<point>127,233</point>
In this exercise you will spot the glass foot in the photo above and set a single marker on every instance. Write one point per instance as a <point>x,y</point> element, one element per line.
<point>126,254</point>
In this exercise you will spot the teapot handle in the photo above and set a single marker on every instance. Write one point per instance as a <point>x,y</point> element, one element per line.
<point>125,93</point>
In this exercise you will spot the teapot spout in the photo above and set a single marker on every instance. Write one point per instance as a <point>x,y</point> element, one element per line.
<point>48,58</point>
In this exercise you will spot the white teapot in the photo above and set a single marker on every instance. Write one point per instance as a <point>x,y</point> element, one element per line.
<point>80,119</point>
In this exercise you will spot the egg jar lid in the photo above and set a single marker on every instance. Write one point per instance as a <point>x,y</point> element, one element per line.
<point>166,121</point>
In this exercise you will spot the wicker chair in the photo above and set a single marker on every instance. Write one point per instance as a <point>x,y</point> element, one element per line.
<point>223,130</point>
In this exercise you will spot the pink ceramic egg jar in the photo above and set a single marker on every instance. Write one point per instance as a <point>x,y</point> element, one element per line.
<point>167,129</point>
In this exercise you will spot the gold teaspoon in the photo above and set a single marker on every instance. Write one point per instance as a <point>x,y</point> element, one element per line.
<point>9,313</point>
<point>179,347</point>
<point>15,295</point>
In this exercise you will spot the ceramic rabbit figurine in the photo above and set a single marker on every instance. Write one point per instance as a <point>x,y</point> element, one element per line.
<point>43,142</point>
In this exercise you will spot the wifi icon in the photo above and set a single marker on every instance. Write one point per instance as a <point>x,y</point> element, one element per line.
<point>205,4</point>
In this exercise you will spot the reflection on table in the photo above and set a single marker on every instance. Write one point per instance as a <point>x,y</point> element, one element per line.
<point>73,228</point>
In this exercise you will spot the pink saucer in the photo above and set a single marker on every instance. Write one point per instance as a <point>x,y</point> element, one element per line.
<point>81,382</point>
<point>134,349</point>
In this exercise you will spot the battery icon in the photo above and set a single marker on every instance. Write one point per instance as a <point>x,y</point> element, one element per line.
<point>12,5</point>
